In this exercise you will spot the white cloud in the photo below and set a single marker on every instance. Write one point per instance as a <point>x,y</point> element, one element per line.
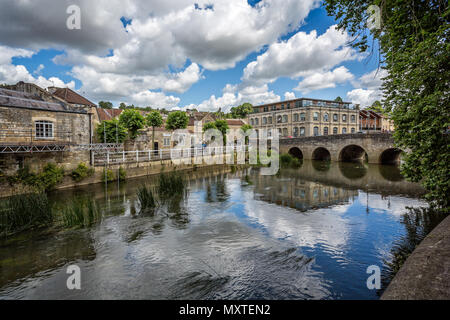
<point>234,95</point>
<point>302,54</point>
<point>368,88</point>
<point>289,96</point>
<point>324,80</point>
<point>11,74</point>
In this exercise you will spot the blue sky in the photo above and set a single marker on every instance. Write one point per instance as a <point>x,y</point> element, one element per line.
<point>216,64</point>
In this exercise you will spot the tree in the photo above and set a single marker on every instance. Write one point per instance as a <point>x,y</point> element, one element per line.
<point>209,125</point>
<point>220,125</point>
<point>115,131</point>
<point>242,111</point>
<point>122,106</point>
<point>414,50</point>
<point>377,107</point>
<point>245,128</point>
<point>177,120</point>
<point>338,99</point>
<point>133,120</point>
<point>105,105</point>
<point>154,120</point>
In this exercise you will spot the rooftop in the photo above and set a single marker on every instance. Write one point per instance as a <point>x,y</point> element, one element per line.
<point>18,99</point>
<point>71,96</point>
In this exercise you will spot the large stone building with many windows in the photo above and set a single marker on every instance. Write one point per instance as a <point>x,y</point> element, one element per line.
<point>306,117</point>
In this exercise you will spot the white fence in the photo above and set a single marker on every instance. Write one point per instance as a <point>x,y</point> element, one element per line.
<point>121,157</point>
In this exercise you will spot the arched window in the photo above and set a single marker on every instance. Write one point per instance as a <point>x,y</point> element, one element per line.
<point>285,132</point>
<point>264,120</point>
<point>344,130</point>
<point>256,121</point>
<point>325,131</point>
<point>285,118</point>
<point>295,132</point>
<point>279,119</point>
<point>325,117</point>
<point>252,122</point>
<point>316,116</point>
<point>302,116</point>
<point>335,130</point>
<point>270,120</point>
<point>335,117</point>
<point>316,131</point>
<point>302,131</point>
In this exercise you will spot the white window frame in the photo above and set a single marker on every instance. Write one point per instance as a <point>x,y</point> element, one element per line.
<point>46,132</point>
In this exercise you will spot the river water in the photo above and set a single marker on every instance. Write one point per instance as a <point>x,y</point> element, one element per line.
<point>307,233</point>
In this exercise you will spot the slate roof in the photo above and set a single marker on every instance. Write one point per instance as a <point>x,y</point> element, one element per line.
<point>71,96</point>
<point>17,99</point>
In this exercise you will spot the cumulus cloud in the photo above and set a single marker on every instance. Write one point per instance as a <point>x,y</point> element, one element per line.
<point>10,73</point>
<point>300,55</point>
<point>289,96</point>
<point>324,80</point>
<point>234,95</point>
<point>367,88</point>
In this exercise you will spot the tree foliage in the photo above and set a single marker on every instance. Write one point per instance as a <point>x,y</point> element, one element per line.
<point>338,99</point>
<point>133,120</point>
<point>242,111</point>
<point>415,51</point>
<point>105,105</point>
<point>177,120</point>
<point>154,120</point>
<point>115,131</point>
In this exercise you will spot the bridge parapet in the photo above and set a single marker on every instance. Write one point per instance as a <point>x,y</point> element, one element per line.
<point>344,147</point>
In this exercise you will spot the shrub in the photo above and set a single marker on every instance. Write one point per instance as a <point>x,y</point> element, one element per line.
<point>287,160</point>
<point>122,174</point>
<point>50,177</point>
<point>82,172</point>
<point>108,176</point>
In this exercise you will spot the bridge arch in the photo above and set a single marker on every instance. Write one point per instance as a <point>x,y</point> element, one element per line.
<point>296,152</point>
<point>321,154</point>
<point>352,153</point>
<point>390,156</point>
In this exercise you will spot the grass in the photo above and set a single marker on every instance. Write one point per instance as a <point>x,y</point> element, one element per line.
<point>146,199</point>
<point>170,184</point>
<point>25,211</point>
<point>82,212</point>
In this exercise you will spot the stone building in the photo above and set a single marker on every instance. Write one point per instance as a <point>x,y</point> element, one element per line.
<point>34,132</point>
<point>306,117</point>
<point>374,121</point>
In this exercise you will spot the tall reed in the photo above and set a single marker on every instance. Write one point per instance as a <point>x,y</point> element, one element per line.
<point>82,212</point>
<point>170,184</point>
<point>146,199</point>
<point>25,211</point>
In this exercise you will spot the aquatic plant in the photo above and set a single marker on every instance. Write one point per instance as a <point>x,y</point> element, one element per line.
<point>46,180</point>
<point>108,176</point>
<point>25,211</point>
<point>81,212</point>
<point>122,174</point>
<point>146,199</point>
<point>170,184</point>
<point>82,172</point>
<point>288,161</point>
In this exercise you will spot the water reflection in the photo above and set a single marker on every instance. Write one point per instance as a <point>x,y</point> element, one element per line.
<point>308,233</point>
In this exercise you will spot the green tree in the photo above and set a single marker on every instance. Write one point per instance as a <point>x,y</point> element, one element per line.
<point>154,120</point>
<point>338,99</point>
<point>377,107</point>
<point>122,106</point>
<point>105,105</point>
<point>415,51</point>
<point>133,120</point>
<point>245,128</point>
<point>115,131</point>
<point>242,111</point>
<point>177,120</point>
<point>209,125</point>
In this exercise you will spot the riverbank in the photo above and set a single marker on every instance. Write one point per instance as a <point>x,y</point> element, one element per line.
<point>133,170</point>
<point>426,273</point>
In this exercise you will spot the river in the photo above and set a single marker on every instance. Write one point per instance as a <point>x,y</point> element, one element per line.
<point>307,233</point>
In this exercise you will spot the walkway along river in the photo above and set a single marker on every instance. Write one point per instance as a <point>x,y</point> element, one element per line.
<point>307,233</point>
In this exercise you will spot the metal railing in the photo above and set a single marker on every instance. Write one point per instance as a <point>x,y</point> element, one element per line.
<point>121,157</point>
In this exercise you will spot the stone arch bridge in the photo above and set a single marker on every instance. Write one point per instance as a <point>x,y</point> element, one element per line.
<point>372,147</point>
